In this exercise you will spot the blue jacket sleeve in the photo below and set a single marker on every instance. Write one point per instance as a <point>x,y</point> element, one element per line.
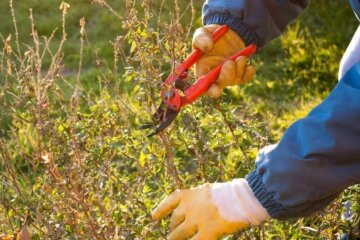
<point>317,158</point>
<point>256,21</point>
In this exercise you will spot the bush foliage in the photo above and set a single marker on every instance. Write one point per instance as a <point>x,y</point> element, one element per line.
<point>74,90</point>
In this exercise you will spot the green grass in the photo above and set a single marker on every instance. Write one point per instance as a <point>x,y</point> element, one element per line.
<point>102,26</point>
<point>122,174</point>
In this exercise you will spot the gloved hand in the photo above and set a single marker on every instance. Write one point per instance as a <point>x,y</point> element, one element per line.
<point>232,72</point>
<point>211,211</point>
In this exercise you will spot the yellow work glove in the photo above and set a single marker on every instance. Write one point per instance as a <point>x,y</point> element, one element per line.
<point>210,211</point>
<point>233,72</point>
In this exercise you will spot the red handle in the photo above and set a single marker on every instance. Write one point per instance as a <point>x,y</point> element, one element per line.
<point>194,57</point>
<point>204,83</point>
<point>197,53</point>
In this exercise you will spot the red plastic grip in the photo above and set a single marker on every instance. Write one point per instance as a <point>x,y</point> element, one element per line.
<point>204,83</point>
<point>175,102</point>
<point>197,53</point>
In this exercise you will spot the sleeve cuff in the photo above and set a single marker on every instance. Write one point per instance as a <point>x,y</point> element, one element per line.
<point>274,209</point>
<point>236,24</point>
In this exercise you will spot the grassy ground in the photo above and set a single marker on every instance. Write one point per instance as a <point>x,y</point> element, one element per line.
<point>74,165</point>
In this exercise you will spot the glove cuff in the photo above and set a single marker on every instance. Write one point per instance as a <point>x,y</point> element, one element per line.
<point>236,202</point>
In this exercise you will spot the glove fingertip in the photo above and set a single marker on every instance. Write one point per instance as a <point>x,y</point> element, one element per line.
<point>203,40</point>
<point>249,74</point>
<point>166,206</point>
<point>155,215</point>
<point>214,91</point>
<point>227,74</point>
<point>241,61</point>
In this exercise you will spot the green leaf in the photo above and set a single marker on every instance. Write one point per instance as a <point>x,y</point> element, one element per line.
<point>133,46</point>
<point>142,159</point>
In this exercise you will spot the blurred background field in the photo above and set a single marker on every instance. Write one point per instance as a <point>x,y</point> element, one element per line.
<point>73,164</point>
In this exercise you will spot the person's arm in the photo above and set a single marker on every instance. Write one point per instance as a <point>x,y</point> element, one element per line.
<point>351,55</point>
<point>251,22</point>
<point>255,21</point>
<point>317,158</point>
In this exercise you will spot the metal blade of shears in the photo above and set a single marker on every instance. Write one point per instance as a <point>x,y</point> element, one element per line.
<point>163,117</point>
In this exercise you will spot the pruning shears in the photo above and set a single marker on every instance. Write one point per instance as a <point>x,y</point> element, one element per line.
<point>177,92</point>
